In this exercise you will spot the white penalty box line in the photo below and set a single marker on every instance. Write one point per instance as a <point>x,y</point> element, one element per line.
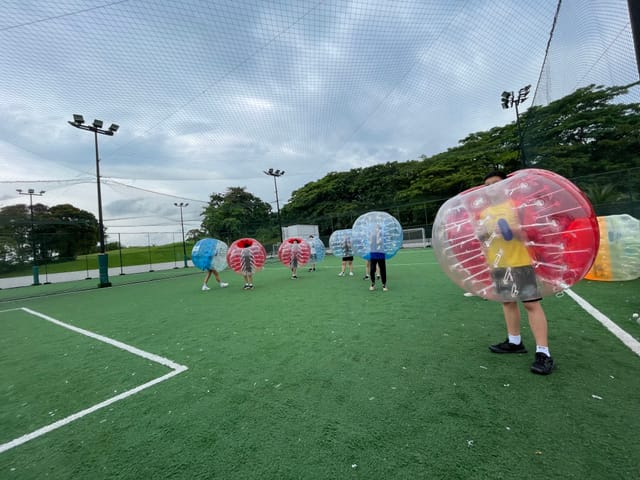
<point>176,369</point>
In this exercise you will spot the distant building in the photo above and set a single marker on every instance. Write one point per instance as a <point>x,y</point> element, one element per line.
<point>301,231</point>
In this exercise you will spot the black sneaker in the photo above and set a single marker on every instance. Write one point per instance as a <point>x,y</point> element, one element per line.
<point>507,347</point>
<point>543,364</point>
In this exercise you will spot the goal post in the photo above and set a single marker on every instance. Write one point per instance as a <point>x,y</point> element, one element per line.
<point>414,237</point>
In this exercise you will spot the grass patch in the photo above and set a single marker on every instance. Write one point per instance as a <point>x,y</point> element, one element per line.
<point>320,378</point>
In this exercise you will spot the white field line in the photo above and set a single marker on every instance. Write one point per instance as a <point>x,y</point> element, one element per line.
<point>623,336</point>
<point>176,369</point>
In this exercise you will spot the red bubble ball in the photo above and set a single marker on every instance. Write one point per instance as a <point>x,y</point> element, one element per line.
<point>530,235</point>
<point>294,252</point>
<point>246,256</point>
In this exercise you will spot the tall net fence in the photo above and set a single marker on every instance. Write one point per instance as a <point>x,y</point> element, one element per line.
<point>294,81</point>
<point>590,46</point>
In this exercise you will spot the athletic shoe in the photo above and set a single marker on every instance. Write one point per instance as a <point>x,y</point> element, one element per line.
<point>246,286</point>
<point>378,276</point>
<point>223,285</point>
<point>294,277</point>
<point>506,347</point>
<point>468,294</point>
<point>251,286</point>
<point>366,277</point>
<point>341,274</point>
<point>205,288</point>
<point>372,288</point>
<point>351,274</point>
<point>543,364</point>
<point>385,289</point>
<point>311,269</point>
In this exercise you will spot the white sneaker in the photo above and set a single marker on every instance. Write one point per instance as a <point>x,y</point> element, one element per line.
<point>223,285</point>
<point>351,274</point>
<point>341,274</point>
<point>468,294</point>
<point>205,288</point>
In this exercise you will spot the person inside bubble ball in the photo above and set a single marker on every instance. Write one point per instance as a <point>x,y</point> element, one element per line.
<point>247,264</point>
<point>314,254</point>
<point>378,258</point>
<point>293,263</point>
<point>347,258</point>
<point>513,275</point>
<point>216,275</point>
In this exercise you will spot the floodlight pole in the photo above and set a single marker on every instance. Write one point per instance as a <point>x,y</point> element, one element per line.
<point>275,174</point>
<point>510,100</point>
<point>634,20</point>
<point>96,128</point>
<point>31,192</point>
<point>184,245</point>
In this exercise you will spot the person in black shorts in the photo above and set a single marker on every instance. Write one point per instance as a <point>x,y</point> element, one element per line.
<point>514,278</point>
<point>347,259</point>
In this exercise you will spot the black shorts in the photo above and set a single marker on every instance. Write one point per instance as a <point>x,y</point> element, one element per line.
<point>347,259</point>
<point>516,283</point>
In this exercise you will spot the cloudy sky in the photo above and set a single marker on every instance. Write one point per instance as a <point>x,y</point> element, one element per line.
<point>209,94</point>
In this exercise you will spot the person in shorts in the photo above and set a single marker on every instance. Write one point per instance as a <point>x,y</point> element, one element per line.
<point>314,254</point>
<point>347,259</point>
<point>514,277</point>
<point>216,275</point>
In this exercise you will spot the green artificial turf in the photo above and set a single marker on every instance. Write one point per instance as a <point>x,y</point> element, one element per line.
<point>319,378</point>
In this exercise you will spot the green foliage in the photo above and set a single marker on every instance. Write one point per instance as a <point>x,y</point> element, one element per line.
<point>59,232</point>
<point>586,132</point>
<point>14,235</point>
<point>70,231</point>
<point>236,214</point>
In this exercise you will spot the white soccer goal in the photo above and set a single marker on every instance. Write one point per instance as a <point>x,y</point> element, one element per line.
<point>414,237</point>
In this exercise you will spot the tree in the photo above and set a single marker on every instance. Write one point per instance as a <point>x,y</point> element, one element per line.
<point>584,132</point>
<point>70,232</point>
<point>589,131</point>
<point>235,214</point>
<point>62,231</point>
<point>15,229</point>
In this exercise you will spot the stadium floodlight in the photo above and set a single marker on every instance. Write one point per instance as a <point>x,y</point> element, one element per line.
<point>275,174</point>
<point>184,245</point>
<point>96,128</point>
<point>31,192</point>
<point>508,100</point>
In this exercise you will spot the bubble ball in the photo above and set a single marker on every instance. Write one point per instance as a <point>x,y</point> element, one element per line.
<point>376,232</point>
<point>318,250</point>
<point>340,243</point>
<point>618,257</point>
<point>531,235</point>
<point>246,256</point>
<point>294,252</point>
<point>210,254</point>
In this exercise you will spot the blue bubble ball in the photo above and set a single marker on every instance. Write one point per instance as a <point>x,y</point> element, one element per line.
<point>210,254</point>
<point>340,243</point>
<point>376,232</point>
<point>317,249</point>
